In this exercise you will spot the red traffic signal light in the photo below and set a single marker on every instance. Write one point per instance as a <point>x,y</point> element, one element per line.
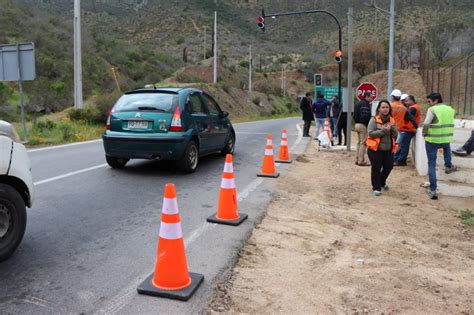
<point>261,23</point>
<point>338,56</point>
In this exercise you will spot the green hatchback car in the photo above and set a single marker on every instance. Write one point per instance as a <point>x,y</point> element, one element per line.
<point>180,124</point>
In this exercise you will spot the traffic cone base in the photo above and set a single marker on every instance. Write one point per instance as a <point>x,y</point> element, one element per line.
<point>274,175</point>
<point>147,288</point>
<point>214,219</point>
<point>284,161</point>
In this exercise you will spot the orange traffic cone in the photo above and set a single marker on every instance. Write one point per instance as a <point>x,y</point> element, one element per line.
<point>283,156</point>
<point>171,278</point>
<point>268,167</point>
<point>327,129</point>
<point>227,208</point>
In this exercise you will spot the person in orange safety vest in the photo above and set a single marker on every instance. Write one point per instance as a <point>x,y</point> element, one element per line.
<point>407,131</point>
<point>381,145</point>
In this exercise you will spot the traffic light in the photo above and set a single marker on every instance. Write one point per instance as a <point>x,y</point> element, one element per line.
<point>261,23</point>
<point>338,56</point>
<point>318,79</point>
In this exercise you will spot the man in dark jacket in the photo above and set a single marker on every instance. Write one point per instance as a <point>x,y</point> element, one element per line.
<point>333,115</point>
<point>320,109</point>
<point>305,106</point>
<point>362,115</point>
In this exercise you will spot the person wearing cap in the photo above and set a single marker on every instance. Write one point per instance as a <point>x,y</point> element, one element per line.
<point>438,129</point>
<point>407,131</point>
<point>362,115</point>
<point>399,111</point>
<point>403,98</point>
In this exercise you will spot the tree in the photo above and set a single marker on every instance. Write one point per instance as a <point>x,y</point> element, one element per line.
<point>367,56</point>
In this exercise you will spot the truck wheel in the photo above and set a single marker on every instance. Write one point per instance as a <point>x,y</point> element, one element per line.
<point>12,220</point>
<point>116,162</point>
<point>189,161</point>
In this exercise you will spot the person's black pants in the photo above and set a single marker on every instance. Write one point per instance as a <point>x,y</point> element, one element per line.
<point>469,145</point>
<point>342,127</point>
<point>382,164</point>
<point>307,124</point>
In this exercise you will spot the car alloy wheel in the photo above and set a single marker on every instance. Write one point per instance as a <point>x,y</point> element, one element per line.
<point>5,220</point>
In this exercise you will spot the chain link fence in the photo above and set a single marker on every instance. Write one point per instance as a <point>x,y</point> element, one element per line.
<point>455,83</point>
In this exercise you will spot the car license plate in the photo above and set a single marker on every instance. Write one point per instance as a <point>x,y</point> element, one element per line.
<point>137,124</point>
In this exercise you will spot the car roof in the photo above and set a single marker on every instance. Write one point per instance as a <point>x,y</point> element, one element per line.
<point>173,90</point>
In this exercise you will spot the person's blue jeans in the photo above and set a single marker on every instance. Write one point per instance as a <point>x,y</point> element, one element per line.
<point>403,141</point>
<point>431,153</point>
<point>334,130</point>
<point>319,125</point>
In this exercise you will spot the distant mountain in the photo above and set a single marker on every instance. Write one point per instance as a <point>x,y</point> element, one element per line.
<point>142,41</point>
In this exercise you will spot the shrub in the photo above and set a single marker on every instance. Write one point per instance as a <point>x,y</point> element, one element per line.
<point>45,125</point>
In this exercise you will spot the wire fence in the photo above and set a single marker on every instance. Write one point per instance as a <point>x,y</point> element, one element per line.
<point>455,83</point>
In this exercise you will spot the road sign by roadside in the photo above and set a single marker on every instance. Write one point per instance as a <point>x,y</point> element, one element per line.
<point>366,87</point>
<point>17,63</point>
<point>14,57</point>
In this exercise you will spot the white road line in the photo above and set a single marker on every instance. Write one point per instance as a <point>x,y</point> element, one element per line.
<point>300,137</point>
<point>119,301</point>
<point>52,179</point>
<point>63,146</point>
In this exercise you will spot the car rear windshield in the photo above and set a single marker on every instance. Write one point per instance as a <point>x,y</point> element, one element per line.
<point>162,102</point>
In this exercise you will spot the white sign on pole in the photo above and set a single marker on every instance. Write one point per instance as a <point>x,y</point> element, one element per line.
<point>9,59</point>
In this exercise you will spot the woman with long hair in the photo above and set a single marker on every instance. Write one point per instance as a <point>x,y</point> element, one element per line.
<point>381,145</point>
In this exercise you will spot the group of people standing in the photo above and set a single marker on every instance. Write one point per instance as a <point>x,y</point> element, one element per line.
<point>386,136</point>
<point>320,110</point>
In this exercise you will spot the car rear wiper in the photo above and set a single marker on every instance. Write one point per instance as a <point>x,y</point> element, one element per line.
<point>151,108</point>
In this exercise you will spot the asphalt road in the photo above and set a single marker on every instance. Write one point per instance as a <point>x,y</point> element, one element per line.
<point>92,233</point>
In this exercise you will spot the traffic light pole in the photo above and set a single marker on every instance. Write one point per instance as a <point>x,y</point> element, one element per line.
<point>274,15</point>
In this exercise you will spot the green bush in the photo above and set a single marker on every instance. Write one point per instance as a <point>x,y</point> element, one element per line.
<point>44,125</point>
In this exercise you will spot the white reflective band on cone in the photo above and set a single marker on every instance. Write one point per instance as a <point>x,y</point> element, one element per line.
<point>268,152</point>
<point>269,142</point>
<point>228,168</point>
<point>171,231</point>
<point>284,143</point>
<point>170,206</point>
<point>284,135</point>
<point>228,183</point>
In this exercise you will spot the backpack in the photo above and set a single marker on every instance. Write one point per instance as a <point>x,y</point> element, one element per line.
<point>365,113</point>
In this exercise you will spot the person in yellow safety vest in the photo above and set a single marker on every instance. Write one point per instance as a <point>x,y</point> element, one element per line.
<point>381,145</point>
<point>438,130</point>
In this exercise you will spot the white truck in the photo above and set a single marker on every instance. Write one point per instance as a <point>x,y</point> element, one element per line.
<point>16,189</point>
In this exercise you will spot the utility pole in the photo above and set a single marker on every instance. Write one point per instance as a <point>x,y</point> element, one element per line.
<point>391,47</point>
<point>250,68</point>
<point>215,47</point>
<point>205,31</point>
<point>350,99</point>
<point>391,42</point>
<point>283,85</point>
<point>77,56</point>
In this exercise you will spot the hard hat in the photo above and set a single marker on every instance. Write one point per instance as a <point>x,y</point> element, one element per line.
<point>403,97</point>
<point>397,93</point>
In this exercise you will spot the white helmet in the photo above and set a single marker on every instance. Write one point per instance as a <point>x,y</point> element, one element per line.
<point>403,97</point>
<point>397,93</point>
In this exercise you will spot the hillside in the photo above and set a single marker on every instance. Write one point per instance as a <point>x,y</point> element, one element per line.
<point>142,41</point>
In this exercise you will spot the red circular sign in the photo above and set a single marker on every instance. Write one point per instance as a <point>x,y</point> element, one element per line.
<point>366,87</point>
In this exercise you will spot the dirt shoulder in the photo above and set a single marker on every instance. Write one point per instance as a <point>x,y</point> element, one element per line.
<point>327,245</point>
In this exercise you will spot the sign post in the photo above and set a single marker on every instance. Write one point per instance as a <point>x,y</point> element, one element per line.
<point>366,87</point>
<point>17,63</point>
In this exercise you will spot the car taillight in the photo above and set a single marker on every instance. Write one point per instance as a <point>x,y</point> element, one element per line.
<point>176,121</point>
<point>107,125</point>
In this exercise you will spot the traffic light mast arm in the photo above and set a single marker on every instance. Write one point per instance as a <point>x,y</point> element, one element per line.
<point>316,11</point>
